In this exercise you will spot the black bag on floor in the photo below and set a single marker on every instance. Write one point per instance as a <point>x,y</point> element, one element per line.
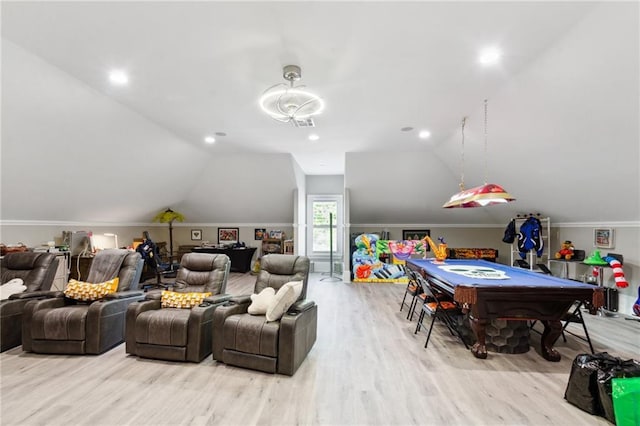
<point>582,389</point>
<point>590,382</point>
<point>628,368</point>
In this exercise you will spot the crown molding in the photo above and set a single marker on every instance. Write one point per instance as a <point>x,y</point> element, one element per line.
<point>71,223</point>
<point>138,224</point>
<point>425,225</point>
<point>623,224</point>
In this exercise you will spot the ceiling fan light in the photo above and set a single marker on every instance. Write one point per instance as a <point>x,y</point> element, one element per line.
<point>289,103</point>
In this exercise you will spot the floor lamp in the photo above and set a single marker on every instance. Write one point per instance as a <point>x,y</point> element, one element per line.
<point>331,277</point>
<point>169,216</point>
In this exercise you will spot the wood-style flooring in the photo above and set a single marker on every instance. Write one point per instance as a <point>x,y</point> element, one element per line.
<point>366,368</point>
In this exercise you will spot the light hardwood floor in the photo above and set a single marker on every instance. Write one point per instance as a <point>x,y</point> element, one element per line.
<point>367,367</point>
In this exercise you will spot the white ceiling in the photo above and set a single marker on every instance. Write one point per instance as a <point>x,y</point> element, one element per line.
<point>199,67</point>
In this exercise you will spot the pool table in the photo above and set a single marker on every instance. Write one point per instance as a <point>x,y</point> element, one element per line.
<point>491,290</point>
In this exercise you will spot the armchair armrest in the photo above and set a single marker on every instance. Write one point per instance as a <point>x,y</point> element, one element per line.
<point>153,295</point>
<point>36,294</point>
<point>235,306</point>
<point>30,309</point>
<point>217,299</point>
<point>133,310</point>
<point>124,294</point>
<point>199,332</point>
<point>105,322</point>
<point>301,306</point>
<point>240,300</point>
<point>297,335</point>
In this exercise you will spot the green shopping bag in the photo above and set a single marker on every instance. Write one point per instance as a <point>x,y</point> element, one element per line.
<point>626,401</point>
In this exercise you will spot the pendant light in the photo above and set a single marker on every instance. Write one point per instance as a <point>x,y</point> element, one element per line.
<point>480,196</point>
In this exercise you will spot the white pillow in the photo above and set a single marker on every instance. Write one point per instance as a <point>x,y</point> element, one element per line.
<point>14,286</point>
<point>260,302</point>
<point>284,298</point>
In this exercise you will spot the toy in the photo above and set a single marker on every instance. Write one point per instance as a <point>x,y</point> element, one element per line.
<point>618,274</point>
<point>440,251</point>
<point>566,251</point>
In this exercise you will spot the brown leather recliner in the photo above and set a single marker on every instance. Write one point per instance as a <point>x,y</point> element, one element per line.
<point>37,270</point>
<point>176,334</point>
<point>61,325</point>
<point>250,341</point>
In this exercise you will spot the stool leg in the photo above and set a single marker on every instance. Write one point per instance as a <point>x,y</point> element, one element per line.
<point>403,299</point>
<point>419,324</point>
<point>433,320</point>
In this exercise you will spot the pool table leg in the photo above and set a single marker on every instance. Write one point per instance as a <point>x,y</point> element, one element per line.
<point>479,326</point>
<point>552,330</point>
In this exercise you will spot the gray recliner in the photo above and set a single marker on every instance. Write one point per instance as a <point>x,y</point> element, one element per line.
<point>250,341</point>
<point>38,271</point>
<point>60,325</point>
<point>177,334</point>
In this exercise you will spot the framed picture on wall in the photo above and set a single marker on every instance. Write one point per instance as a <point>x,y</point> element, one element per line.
<point>196,235</point>
<point>228,235</point>
<point>416,235</point>
<point>276,234</point>
<point>259,233</point>
<point>603,237</point>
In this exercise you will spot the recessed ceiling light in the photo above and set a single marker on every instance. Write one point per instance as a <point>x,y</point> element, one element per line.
<point>424,134</point>
<point>489,55</point>
<point>313,137</point>
<point>406,129</point>
<point>209,139</point>
<point>118,77</point>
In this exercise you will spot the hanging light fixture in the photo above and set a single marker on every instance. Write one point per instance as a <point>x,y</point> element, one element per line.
<point>289,103</point>
<point>480,196</point>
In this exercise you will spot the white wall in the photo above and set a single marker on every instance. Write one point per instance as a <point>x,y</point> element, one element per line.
<point>627,243</point>
<point>300,211</point>
<point>69,153</point>
<point>325,184</point>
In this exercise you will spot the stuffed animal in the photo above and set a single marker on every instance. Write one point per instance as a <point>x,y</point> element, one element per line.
<point>566,251</point>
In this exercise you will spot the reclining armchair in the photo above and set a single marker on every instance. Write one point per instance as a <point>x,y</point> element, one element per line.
<point>37,271</point>
<point>62,325</point>
<point>251,341</point>
<point>156,328</point>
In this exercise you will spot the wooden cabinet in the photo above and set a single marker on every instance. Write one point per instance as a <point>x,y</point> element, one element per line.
<point>60,280</point>
<point>288,247</point>
<point>272,245</point>
<point>80,267</point>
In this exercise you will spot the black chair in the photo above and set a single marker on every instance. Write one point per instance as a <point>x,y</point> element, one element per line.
<point>150,253</point>
<point>575,316</point>
<point>414,290</point>
<point>438,305</point>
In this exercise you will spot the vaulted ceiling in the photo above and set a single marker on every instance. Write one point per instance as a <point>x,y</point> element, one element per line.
<point>563,123</point>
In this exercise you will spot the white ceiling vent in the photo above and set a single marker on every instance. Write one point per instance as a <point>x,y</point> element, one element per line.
<point>305,122</point>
